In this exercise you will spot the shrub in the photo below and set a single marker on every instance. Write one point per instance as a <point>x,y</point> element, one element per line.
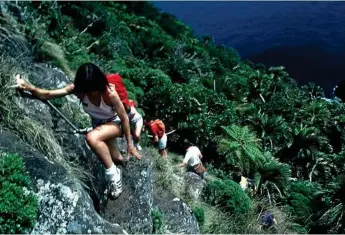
<point>199,214</point>
<point>304,203</point>
<point>300,207</point>
<point>158,221</point>
<point>228,195</point>
<point>18,207</point>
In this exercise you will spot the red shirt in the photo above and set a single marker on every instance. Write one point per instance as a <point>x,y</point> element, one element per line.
<point>156,130</point>
<point>131,103</point>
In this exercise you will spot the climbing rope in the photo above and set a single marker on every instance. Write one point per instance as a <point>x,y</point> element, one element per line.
<point>75,129</point>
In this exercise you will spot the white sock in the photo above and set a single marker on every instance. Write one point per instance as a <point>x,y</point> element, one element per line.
<point>112,173</point>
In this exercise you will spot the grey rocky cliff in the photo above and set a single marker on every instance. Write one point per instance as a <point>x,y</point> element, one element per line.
<point>178,217</point>
<point>64,207</point>
<point>193,185</point>
<point>132,209</point>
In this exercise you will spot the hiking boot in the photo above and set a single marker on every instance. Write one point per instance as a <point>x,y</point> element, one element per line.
<point>138,147</point>
<point>115,185</point>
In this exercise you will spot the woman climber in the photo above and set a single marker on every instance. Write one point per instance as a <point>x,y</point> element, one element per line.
<point>105,99</point>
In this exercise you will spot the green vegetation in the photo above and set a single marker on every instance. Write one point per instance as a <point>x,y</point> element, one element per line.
<point>16,117</point>
<point>227,195</point>
<point>158,222</point>
<point>199,214</point>
<point>18,204</point>
<point>247,119</point>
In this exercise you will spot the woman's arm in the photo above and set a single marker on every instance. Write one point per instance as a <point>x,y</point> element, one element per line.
<point>120,110</point>
<point>44,94</point>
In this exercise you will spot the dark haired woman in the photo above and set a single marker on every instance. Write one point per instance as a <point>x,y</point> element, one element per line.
<point>107,109</point>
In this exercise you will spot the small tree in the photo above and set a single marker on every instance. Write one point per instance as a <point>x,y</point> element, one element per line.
<point>242,144</point>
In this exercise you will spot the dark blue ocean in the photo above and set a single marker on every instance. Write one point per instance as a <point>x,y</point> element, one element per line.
<point>308,38</point>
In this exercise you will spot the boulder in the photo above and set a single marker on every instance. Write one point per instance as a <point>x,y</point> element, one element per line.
<point>178,217</point>
<point>132,209</point>
<point>49,77</point>
<point>46,76</point>
<point>88,162</point>
<point>36,110</point>
<point>193,185</point>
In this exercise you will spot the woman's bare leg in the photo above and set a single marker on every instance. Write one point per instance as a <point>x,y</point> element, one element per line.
<point>114,150</point>
<point>137,131</point>
<point>97,139</point>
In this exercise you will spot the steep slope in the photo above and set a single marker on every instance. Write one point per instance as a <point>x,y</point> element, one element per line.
<point>247,119</point>
<point>68,179</point>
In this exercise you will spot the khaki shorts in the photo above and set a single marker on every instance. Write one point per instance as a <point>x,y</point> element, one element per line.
<point>97,122</point>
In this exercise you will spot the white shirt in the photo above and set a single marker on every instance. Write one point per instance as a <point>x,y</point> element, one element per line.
<point>133,115</point>
<point>192,156</point>
<point>102,112</point>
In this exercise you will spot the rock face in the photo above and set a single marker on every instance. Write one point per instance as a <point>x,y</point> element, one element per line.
<point>132,209</point>
<point>178,217</point>
<point>49,77</point>
<point>96,185</point>
<point>64,207</point>
<point>46,76</point>
<point>193,185</point>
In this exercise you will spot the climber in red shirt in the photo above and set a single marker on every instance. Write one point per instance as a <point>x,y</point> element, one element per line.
<point>157,128</point>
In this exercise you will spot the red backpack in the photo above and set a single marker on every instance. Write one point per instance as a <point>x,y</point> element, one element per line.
<point>160,126</point>
<point>120,88</point>
<point>132,103</point>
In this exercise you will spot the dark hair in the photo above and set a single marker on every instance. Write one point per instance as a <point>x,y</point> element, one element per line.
<point>90,78</point>
<point>186,143</point>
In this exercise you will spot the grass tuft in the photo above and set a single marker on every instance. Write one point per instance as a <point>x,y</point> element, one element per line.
<point>56,53</point>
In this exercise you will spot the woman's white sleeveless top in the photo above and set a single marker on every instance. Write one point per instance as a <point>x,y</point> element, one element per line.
<point>104,111</point>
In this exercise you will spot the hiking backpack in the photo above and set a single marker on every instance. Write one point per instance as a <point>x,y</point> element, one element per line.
<point>160,126</point>
<point>120,88</point>
<point>132,103</point>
